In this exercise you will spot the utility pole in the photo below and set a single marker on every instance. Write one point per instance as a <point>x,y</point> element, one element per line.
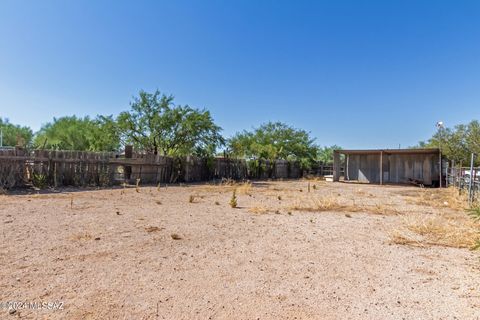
<point>440,127</point>
<point>1,138</point>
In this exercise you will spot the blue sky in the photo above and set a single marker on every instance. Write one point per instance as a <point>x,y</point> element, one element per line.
<point>360,74</point>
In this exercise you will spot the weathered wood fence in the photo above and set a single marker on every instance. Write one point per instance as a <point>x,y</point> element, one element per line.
<point>51,168</point>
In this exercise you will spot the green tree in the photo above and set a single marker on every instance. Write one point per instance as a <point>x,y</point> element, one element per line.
<point>275,140</point>
<point>82,134</point>
<point>325,154</point>
<point>456,143</point>
<point>155,124</point>
<point>14,135</point>
<point>472,139</point>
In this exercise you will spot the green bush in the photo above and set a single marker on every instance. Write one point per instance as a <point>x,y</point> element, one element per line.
<point>39,180</point>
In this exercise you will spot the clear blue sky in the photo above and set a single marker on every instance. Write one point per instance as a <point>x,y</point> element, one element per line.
<point>361,74</point>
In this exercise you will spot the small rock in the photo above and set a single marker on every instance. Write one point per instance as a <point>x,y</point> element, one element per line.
<point>175,236</point>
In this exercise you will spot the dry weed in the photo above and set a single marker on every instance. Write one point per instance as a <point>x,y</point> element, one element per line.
<point>233,199</point>
<point>244,188</point>
<point>82,237</point>
<point>258,210</point>
<point>326,203</point>
<point>152,229</point>
<point>228,186</point>
<point>440,198</point>
<point>448,230</point>
<point>399,237</point>
<point>382,209</point>
<point>332,203</point>
<point>361,192</point>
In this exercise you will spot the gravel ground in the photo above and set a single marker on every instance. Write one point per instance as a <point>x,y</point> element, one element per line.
<point>109,254</point>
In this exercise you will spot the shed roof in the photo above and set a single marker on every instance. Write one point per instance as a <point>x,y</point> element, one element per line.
<point>391,151</point>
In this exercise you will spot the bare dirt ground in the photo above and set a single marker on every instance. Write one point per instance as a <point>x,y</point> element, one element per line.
<point>340,251</point>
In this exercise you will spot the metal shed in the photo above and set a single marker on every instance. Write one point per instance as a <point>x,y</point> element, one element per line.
<point>391,166</point>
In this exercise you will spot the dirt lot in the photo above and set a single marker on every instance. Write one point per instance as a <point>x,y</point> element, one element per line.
<point>340,251</point>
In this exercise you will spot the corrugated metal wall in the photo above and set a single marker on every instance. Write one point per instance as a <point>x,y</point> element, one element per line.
<point>397,168</point>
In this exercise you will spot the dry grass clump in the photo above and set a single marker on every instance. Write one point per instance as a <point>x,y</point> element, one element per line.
<point>332,203</point>
<point>399,237</point>
<point>440,198</point>
<point>277,188</point>
<point>313,178</point>
<point>361,192</point>
<point>258,210</point>
<point>152,229</point>
<point>382,209</point>
<point>474,212</point>
<point>244,188</point>
<point>319,204</point>
<point>449,230</point>
<point>82,237</point>
<point>228,185</point>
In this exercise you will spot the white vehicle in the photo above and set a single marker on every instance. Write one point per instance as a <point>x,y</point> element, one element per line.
<point>467,175</point>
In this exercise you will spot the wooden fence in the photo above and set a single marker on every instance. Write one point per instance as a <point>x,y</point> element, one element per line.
<point>50,168</point>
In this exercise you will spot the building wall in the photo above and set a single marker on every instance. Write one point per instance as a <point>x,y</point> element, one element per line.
<point>397,168</point>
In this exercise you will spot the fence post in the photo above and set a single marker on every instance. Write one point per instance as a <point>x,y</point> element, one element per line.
<point>472,177</point>
<point>128,169</point>
<point>440,166</point>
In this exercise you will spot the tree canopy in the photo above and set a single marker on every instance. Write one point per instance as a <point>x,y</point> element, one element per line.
<point>82,134</point>
<point>156,125</point>
<point>325,154</point>
<point>15,134</point>
<point>457,143</point>
<point>274,140</point>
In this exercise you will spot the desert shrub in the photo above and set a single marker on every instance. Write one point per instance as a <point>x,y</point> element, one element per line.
<point>39,180</point>
<point>233,200</point>
<point>474,212</point>
<point>476,246</point>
